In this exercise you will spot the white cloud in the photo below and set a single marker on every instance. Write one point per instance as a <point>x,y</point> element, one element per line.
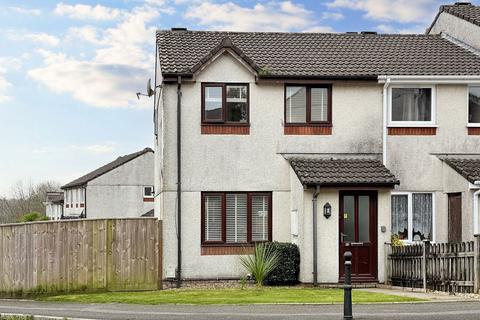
<point>7,64</point>
<point>42,37</point>
<point>83,11</point>
<point>415,29</point>
<point>101,148</point>
<point>37,37</point>
<point>27,11</point>
<point>121,64</point>
<point>269,16</point>
<point>332,16</point>
<point>404,11</point>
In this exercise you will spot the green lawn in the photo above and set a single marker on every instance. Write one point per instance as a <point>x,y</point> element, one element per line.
<point>230,296</point>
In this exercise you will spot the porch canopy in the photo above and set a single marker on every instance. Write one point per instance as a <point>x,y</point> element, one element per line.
<point>469,168</point>
<point>330,172</point>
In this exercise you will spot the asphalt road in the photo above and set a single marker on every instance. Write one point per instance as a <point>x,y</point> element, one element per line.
<point>437,311</point>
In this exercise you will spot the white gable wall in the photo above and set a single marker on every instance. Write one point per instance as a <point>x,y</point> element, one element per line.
<point>460,29</point>
<point>119,192</point>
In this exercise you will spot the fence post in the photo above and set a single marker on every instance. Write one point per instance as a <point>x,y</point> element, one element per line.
<point>386,264</point>
<point>476,263</point>
<point>426,245</point>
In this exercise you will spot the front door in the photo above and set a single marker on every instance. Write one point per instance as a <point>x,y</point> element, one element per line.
<point>454,217</point>
<point>358,233</point>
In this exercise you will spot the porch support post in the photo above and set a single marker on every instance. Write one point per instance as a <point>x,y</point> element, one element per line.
<point>314,204</point>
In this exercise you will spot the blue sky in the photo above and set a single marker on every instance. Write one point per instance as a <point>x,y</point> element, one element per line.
<point>69,70</point>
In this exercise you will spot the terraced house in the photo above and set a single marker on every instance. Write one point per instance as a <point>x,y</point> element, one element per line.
<point>331,141</point>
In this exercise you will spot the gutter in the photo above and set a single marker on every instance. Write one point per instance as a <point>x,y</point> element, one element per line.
<point>316,192</point>
<point>179,182</point>
<point>429,79</point>
<point>385,121</point>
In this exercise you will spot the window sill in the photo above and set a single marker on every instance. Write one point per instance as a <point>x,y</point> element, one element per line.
<point>473,131</point>
<point>217,250</point>
<point>412,125</point>
<point>473,125</point>
<point>307,130</point>
<point>148,199</point>
<point>239,129</point>
<point>412,131</point>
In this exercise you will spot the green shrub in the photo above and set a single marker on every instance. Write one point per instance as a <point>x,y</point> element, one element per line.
<point>32,216</point>
<point>263,261</point>
<point>289,264</point>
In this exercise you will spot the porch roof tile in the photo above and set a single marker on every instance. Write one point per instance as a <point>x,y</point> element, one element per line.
<point>469,168</point>
<point>342,172</point>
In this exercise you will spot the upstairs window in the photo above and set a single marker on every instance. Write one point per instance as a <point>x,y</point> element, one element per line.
<point>236,218</point>
<point>412,106</point>
<point>148,192</point>
<point>474,105</point>
<point>225,103</point>
<point>307,105</point>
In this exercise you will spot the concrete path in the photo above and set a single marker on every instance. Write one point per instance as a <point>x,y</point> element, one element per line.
<point>431,296</point>
<point>430,311</point>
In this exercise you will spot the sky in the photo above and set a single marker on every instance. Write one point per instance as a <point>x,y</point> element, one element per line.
<point>69,70</point>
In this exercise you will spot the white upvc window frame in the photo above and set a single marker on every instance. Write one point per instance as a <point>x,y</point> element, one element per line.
<point>471,124</point>
<point>149,196</point>
<point>423,124</point>
<point>410,214</point>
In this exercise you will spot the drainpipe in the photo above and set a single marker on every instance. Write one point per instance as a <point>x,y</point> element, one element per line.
<point>314,203</point>
<point>179,182</point>
<point>385,121</point>
<point>475,208</point>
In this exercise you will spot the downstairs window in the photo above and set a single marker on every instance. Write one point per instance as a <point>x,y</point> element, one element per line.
<point>412,216</point>
<point>236,218</point>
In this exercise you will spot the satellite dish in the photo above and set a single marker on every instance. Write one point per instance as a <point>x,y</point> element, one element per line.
<point>150,92</point>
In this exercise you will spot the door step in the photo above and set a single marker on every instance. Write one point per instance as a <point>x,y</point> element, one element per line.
<point>340,285</point>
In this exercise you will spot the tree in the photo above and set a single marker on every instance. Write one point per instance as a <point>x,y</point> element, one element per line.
<point>26,197</point>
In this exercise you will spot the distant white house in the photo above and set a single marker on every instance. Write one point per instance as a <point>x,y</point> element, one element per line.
<point>121,188</point>
<point>54,205</point>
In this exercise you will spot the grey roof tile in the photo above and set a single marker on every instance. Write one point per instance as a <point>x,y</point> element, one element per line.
<point>338,172</point>
<point>469,168</point>
<point>104,169</point>
<point>319,55</point>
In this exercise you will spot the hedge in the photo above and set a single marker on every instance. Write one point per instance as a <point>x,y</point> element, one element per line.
<point>288,268</point>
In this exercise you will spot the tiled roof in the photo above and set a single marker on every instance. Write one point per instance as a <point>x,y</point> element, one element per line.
<point>465,11</point>
<point>104,169</point>
<point>469,168</point>
<point>318,55</point>
<point>338,172</point>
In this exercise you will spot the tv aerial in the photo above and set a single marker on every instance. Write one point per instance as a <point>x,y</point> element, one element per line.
<point>150,92</point>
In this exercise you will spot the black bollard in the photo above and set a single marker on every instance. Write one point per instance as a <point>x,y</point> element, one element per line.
<point>347,287</point>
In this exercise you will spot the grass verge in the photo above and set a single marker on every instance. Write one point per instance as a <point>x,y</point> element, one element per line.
<point>231,296</point>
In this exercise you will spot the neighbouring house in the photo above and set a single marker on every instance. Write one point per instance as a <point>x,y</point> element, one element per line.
<point>54,205</point>
<point>121,188</point>
<point>460,22</point>
<point>331,141</point>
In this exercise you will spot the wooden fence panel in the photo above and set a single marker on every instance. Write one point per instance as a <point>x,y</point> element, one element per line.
<point>80,255</point>
<point>449,267</point>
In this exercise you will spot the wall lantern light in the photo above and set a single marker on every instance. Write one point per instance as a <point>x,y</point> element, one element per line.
<point>327,210</point>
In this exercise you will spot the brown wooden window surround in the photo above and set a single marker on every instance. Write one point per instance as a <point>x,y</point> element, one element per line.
<point>232,221</point>
<point>225,108</point>
<point>308,110</point>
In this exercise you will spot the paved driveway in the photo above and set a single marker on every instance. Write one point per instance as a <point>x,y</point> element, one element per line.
<point>436,310</point>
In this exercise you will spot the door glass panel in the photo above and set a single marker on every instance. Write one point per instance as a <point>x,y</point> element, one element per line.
<point>349,218</point>
<point>364,218</point>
